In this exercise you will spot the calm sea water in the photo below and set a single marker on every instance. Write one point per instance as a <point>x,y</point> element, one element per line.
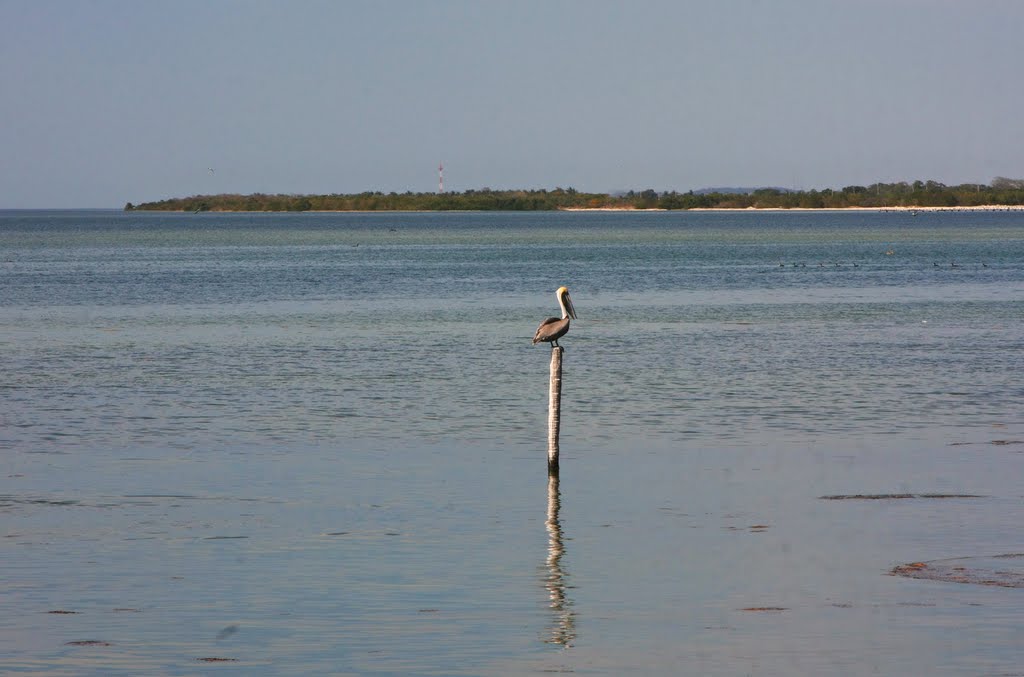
<point>315,443</point>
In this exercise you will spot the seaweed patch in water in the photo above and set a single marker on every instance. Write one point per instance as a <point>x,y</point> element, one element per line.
<point>765,608</point>
<point>996,570</point>
<point>997,443</point>
<point>882,497</point>
<point>7,500</point>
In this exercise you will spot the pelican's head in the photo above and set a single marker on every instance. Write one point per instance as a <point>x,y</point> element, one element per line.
<point>565,302</point>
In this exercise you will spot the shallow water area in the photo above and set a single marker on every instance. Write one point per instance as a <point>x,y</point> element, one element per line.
<point>314,444</point>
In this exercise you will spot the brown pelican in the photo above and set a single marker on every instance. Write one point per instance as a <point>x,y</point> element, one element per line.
<point>554,328</point>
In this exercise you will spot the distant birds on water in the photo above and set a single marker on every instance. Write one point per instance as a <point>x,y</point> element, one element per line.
<point>854,264</point>
<point>821,264</point>
<point>888,252</point>
<point>954,264</point>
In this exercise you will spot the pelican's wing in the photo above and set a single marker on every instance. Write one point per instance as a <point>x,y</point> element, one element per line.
<point>551,329</point>
<point>545,329</point>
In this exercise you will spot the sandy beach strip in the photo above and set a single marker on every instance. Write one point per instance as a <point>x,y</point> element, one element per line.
<point>973,208</point>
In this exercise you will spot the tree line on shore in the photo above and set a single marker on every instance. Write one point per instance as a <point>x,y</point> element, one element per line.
<point>1001,191</point>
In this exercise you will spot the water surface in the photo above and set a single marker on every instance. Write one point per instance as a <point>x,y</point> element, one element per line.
<point>314,443</point>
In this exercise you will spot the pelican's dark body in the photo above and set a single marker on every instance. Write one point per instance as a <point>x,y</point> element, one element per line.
<point>551,330</point>
<point>554,328</point>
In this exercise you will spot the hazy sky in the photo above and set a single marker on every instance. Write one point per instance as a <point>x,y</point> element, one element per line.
<point>105,102</point>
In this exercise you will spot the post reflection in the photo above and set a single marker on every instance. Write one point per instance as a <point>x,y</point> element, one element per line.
<point>563,624</point>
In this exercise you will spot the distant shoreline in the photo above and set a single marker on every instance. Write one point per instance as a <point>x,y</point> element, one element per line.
<point>1002,195</point>
<point>973,208</point>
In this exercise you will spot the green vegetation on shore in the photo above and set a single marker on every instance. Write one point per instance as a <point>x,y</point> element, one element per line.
<point>1001,191</point>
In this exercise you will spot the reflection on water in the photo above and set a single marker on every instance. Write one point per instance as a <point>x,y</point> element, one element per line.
<point>563,618</point>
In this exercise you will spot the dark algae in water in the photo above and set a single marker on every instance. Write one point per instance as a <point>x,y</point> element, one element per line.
<point>1005,571</point>
<point>883,497</point>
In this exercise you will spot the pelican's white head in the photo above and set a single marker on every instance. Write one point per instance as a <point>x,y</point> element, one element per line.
<point>565,302</point>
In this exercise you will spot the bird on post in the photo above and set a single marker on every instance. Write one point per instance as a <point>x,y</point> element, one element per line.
<point>554,328</point>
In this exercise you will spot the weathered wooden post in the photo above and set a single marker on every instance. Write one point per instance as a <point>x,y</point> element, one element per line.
<point>554,408</point>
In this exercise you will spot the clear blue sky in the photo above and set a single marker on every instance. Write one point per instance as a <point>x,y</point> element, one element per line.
<point>107,101</point>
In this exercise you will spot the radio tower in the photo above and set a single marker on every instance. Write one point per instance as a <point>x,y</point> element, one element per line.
<point>440,177</point>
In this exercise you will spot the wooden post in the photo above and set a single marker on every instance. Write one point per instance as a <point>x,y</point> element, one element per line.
<point>554,408</point>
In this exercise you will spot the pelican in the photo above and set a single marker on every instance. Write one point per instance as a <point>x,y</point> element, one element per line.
<point>554,328</point>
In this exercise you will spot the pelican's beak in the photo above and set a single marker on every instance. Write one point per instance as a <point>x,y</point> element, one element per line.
<point>568,306</point>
